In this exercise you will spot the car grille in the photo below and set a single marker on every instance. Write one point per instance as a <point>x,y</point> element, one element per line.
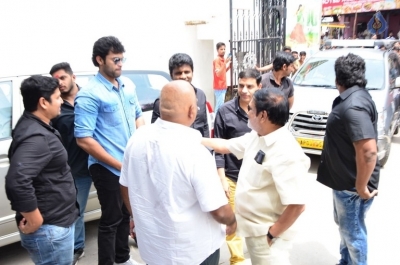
<point>307,123</point>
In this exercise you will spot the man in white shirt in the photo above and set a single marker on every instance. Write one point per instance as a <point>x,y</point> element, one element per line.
<point>170,184</point>
<point>270,193</point>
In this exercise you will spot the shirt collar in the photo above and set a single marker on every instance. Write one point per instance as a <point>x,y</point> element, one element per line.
<point>107,83</point>
<point>238,109</point>
<point>31,116</point>
<point>66,102</point>
<point>271,138</point>
<point>188,131</point>
<point>272,77</point>
<point>349,91</point>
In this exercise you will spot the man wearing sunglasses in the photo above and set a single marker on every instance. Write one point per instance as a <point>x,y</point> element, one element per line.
<point>107,113</point>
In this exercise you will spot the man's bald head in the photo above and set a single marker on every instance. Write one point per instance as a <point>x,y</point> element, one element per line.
<point>178,103</point>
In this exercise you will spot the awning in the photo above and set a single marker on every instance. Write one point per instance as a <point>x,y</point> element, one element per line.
<point>333,25</point>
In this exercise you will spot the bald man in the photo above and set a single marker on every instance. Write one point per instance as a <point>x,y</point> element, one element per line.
<point>171,187</point>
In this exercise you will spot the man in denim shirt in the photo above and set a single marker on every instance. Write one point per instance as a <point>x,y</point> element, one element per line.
<point>107,113</point>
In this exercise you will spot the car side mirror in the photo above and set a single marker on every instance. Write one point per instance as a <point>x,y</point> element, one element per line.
<point>397,82</point>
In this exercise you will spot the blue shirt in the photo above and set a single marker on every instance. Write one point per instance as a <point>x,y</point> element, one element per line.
<point>108,115</point>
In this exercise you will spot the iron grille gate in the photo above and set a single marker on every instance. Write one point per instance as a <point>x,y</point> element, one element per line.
<point>257,33</point>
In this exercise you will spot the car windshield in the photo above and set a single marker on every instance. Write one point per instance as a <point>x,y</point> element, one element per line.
<point>320,72</point>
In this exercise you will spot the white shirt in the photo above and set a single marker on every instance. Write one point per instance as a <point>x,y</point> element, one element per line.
<point>173,185</point>
<point>264,190</point>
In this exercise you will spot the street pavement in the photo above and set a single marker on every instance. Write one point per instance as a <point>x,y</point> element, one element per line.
<point>317,242</point>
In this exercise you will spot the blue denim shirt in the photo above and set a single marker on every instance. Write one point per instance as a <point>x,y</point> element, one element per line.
<point>107,114</point>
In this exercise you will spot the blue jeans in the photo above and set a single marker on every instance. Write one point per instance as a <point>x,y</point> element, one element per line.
<point>349,214</point>
<point>50,245</point>
<point>219,98</point>
<point>83,187</point>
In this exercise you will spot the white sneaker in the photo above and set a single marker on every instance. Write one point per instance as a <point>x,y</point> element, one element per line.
<point>129,262</point>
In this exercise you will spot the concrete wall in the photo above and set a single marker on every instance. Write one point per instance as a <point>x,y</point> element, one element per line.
<point>37,34</point>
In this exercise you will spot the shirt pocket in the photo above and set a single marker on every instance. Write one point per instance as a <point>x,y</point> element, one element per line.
<point>112,114</point>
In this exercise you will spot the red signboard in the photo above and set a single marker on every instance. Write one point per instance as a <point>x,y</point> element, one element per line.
<point>335,7</point>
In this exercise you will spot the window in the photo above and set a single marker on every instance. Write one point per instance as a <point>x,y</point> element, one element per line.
<point>82,80</point>
<point>320,72</point>
<point>5,109</point>
<point>148,86</point>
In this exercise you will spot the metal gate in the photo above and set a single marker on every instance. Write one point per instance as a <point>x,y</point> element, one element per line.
<point>257,33</point>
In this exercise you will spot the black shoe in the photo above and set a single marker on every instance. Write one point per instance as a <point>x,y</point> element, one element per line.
<point>78,254</point>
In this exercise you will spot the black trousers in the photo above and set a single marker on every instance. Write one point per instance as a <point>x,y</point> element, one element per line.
<point>112,241</point>
<point>213,259</point>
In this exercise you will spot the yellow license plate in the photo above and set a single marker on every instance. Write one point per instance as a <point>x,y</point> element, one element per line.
<point>310,143</point>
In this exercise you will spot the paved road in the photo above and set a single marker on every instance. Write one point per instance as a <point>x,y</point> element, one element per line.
<point>318,241</point>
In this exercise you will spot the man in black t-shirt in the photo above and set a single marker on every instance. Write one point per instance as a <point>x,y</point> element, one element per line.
<point>181,68</point>
<point>349,162</point>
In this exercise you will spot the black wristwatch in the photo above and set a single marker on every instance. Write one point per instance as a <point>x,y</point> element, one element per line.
<point>270,236</point>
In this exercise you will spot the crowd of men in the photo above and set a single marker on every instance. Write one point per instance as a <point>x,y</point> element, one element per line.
<point>161,185</point>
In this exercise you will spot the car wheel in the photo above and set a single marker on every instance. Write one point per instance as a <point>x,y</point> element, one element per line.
<point>386,157</point>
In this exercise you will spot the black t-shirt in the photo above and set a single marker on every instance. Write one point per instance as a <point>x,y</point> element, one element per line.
<point>353,118</point>
<point>200,123</point>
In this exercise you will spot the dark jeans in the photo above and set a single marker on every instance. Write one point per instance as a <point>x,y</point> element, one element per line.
<point>113,230</point>
<point>213,259</point>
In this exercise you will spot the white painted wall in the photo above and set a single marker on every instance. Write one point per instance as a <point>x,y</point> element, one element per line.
<point>37,34</point>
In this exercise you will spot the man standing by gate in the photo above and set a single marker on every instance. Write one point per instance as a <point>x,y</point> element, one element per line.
<point>219,70</point>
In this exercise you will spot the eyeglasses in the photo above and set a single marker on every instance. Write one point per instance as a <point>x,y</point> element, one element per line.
<point>118,60</point>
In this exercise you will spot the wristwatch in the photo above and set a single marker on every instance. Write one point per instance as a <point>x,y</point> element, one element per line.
<point>271,237</point>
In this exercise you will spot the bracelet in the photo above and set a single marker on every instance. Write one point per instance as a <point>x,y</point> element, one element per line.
<point>131,218</point>
<point>270,236</point>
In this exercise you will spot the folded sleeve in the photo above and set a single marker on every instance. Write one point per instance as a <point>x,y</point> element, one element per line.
<point>86,112</point>
<point>358,124</point>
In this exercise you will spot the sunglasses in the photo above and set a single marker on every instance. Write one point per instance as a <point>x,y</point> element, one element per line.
<point>118,60</point>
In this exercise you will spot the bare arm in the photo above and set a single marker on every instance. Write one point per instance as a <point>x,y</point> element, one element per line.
<point>222,177</point>
<point>225,215</point>
<point>291,100</point>
<point>125,198</point>
<point>93,148</point>
<point>219,145</point>
<point>286,220</point>
<point>366,155</point>
<point>31,221</point>
<point>139,122</point>
<point>264,68</point>
<point>229,64</point>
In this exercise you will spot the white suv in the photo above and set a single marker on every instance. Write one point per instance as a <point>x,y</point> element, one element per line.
<point>315,90</point>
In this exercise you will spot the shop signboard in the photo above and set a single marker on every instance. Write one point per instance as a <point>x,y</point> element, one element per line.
<point>340,7</point>
<point>303,25</point>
